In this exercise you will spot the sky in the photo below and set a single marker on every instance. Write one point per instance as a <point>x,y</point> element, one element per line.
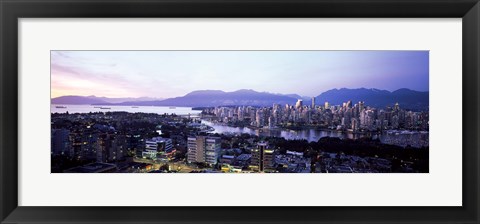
<point>165,74</point>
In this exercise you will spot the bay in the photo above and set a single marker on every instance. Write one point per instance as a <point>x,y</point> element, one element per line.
<point>393,137</point>
<point>56,108</point>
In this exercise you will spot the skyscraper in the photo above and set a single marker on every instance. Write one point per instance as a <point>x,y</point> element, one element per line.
<point>396,107</point>
<point>299,103</point>
<point>354,124</point>
<point>349,104</point>
<point>259,118</point>
<point>361,106</point>
<point>313,102</point>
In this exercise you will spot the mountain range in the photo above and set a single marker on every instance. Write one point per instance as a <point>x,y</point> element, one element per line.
<point>210,98</point>
<point>409,99</point>
<point>406,98</point>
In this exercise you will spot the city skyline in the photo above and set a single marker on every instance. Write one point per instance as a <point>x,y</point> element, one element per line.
<point>240,112</point>
<point>166,74</point>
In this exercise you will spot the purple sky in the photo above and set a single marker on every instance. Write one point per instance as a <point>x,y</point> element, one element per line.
<point>166,74</point>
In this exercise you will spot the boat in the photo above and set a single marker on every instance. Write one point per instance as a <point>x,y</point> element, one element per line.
<point>105,108</point>
<point>60,107</point>
<point>172,107</point>
<point>134,107</point>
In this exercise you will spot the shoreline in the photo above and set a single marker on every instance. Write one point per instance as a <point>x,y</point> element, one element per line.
<point>309,127</point>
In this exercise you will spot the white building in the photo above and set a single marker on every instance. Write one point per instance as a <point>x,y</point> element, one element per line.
<point>299,104</point>
<point>155,146</point>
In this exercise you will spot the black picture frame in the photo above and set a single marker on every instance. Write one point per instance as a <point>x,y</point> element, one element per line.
<point>12,10</point>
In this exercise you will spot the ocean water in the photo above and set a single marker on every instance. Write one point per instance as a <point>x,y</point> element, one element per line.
<point>55,108</point>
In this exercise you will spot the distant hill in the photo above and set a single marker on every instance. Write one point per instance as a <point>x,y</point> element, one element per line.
<point>406,98</point>
<point>77,100</point>
<point>96,100</point>
<point>209,98</point>
<point>130,99</point>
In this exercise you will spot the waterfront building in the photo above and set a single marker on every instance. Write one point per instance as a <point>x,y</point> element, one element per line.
<point>354,124</point>
<point>271,122</point>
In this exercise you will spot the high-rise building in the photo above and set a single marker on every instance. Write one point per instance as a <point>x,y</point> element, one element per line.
<point>349,104</point>
<point>104,145</point>
<point>212,150</point>
<point>90,144</point>
<point>361,106</point>
<point>396,107</point>
<point>135,144</point>
<point>313,102</point>
<point>271,122</point>
<point>259,119</point>
<point>263,159</point>
<point>59,141</point>
<point>75,139</point>
<point>354,124</point>
<point>117,148</point>
<point>203,149</point>
<point>256,162</point>
<point>327,105</point>
<point>299,103</point>
<point>195,151</point>
<point>240,114</point>
<point>268,160</point>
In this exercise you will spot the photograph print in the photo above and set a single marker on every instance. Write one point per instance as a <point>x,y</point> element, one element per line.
<point>239,111</point>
